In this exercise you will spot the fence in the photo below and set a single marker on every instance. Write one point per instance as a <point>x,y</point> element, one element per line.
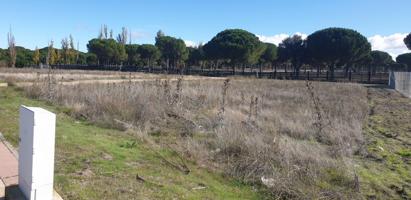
<point>401,81</point>
<point>339,76</point>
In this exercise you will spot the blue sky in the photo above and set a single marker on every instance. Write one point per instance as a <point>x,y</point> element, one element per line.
<point>36,22</point>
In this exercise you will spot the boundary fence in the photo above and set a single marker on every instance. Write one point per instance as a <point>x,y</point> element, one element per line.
<point>339,76</point>
<point>401,81</point>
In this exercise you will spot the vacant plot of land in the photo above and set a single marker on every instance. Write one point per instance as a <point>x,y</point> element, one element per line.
<point>300,140</point>
<point>26,77</point>
<point>297,138</point>
<point>99,163</point>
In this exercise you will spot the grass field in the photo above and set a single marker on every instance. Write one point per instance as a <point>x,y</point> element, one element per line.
<point>198,138</point>
<point>100,163</point>
<point>385,169</point>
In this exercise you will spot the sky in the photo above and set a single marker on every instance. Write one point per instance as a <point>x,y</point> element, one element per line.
<point>36,22</point>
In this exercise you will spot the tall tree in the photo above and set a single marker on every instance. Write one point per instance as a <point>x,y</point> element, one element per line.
<point>293,49</point>
<point>159,34</point>
<point>101,33</point>
<point>236,45</point>
<point>270,54</point>
<point>50,60</point>
<point>172,50</point>
<point>108,51</point>
<point>72,51</point>
<point>65,48</point>
<point>337,47</point>
<point>105,29</point>
<point>196,55</point>
<point>122,37</point>
<point>53,55</point>
<point>407,41</point>
<point>405,59</point>
<point>380,60</point>
<point>133,56</point>
<point>149,53</point>
<point>36,56</point>
<point>12,49</point>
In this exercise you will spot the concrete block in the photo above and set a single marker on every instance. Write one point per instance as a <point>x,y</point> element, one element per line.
<point>36,153</point>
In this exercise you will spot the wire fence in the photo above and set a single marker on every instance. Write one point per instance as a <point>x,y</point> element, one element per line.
<point>324,75</point>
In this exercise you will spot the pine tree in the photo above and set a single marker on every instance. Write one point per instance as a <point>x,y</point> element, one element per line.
<point>12,49</point>
<point>50,49</point>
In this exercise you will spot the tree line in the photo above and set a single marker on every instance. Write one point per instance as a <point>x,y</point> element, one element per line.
<point>329,49</point>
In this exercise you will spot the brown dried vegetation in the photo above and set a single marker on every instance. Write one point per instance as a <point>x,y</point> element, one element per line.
<point>295,138</point>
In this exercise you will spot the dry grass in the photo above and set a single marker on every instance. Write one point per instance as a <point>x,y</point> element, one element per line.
<point>30,75</point>
<point>296,138</point>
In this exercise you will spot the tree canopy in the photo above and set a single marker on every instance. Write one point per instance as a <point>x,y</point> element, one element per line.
<point>108,51</point>
<point>172,49</point>
<point>337,47</point>
<point>270,54</point>
<point>133,56</point>
<point>196,55</point>
<point>407,41</point>
<point>404,59</point>
<point>149,53</point>
<point>293,49</point>
<point>236,45</point>
<point>381,58</point>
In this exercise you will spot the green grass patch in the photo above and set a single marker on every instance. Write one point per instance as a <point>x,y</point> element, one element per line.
<point>385,173</point>
<point>99,163</point>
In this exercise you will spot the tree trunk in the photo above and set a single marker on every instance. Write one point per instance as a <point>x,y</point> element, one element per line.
<point>168,65</point>
<point>149,66</point>
<point>318,71</point>
<point>297,71</point>
<point>332,68</point>
<point>346,68</point>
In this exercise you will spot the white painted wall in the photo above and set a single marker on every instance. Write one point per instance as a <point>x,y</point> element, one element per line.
<point>401,81</point>
<point>36,153</point>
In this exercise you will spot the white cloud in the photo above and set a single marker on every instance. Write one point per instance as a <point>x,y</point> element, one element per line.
<point>392,44</point>
<point>190,43</point>
<point>277,39</point>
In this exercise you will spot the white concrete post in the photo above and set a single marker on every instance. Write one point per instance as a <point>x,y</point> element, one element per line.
<point>36,153</point>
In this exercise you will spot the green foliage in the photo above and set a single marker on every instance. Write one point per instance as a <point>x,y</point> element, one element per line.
<point>171,48</point>
<point>385,171</point>
<point>239,46</point>
<point>407,41</point>
<point>24,57</point>
<point>270,54</point>
<point>36,56</point>
<point>91,59</point>
<point>149,53</point>
<point>404,59</point>
<point>82,58</point>
<point>196,55</point>
<point>108,51</point>
<point>381,58</point>
<point>133,57</point>
<point>293,49</point>
<point>337,47</point>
